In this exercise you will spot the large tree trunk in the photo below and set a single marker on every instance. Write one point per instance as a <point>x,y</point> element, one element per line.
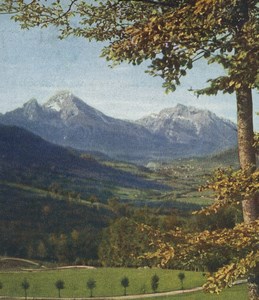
<point>247,160</point>
<point>245,129</point>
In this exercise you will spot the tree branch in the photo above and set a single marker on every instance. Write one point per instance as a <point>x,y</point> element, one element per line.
<point>69,8</point>
<point>156,3</point>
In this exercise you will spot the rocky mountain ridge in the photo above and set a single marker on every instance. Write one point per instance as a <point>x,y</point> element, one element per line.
<point>175,132</point>
<point>187,125</point>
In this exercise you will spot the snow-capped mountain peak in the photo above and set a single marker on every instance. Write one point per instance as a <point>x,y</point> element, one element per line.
<point>185,124</point>
<point>58,101</point>
<point>174,132</point>
<point>69,106</point>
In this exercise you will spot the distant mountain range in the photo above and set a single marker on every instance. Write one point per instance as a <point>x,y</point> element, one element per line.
<point>175,132</point>
<point>22,152</point>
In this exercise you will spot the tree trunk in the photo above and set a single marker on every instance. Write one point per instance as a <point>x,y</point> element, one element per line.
<point>247,159</point>
<point>245,129</point>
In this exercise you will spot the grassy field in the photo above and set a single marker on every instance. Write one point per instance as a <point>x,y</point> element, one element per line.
<point>42,284</point>
<point>236,292</point>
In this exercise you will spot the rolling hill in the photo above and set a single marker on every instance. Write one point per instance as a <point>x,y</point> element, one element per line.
<point>23,152</point>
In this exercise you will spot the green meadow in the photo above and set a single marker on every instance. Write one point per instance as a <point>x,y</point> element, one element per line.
<point>42,283</point>
<point>236,292</point>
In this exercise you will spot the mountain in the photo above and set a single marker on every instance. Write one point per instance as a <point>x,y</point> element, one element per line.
<point>178,132</point>
<point>25,154</point>
<point>68,121</point>
<point>195,128</point>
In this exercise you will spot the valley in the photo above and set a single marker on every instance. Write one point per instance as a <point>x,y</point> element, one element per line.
<point>62,206</point>
<point>53,199</point>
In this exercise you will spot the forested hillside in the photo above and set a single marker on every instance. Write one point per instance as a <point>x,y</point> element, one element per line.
<point>65,206</point>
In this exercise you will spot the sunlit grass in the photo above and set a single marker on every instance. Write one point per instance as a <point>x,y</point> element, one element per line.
<point>235,293</point>
<point>42,284</point>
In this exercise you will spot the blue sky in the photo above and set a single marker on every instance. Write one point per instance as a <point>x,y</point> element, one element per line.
<point>36,64</point>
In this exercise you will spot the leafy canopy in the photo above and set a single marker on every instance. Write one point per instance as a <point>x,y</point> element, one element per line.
<point>59,284</point>
<point>91,284</point>
<point>239,245</point>
<point>125,282</point>
<point>154,283</point>
<point>171,35</point>
<point>25,284</point>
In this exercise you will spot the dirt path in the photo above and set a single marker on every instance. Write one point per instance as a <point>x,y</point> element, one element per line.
<point>153,295</point>
<point>139,296</point>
